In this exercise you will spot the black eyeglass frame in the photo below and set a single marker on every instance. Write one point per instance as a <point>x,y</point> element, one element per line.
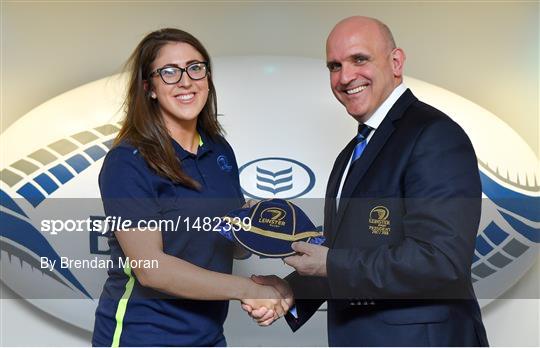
<point>182,71</point>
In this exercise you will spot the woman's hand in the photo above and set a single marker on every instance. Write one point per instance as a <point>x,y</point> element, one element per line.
<point>239,252</point>
<point>269,298</point>
<point>262,315</point>
<point>250,203</point>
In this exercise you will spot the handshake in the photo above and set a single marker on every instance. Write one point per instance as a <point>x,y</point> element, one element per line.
<point>274,296</point>
<point>274,299</point>
<point>270,297</point>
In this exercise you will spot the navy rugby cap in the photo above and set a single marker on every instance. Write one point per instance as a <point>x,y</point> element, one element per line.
<point>270,227</point>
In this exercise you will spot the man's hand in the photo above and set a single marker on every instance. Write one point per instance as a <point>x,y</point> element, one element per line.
<point>310,259</point>
<point>264,316</point>
<point>266,302</point>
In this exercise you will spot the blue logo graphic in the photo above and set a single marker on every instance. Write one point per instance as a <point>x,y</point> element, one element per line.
<point>274,182</point>
<point>223,163</point>
<point>23,233</point>
<point>26,242</point>
<point>512,230</point>
<point>276,177</point>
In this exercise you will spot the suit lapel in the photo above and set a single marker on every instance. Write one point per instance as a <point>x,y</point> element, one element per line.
<point>333,186</point>
<point>371,151</point>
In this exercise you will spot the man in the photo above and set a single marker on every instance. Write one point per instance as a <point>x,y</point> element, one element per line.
<point>402,209</point>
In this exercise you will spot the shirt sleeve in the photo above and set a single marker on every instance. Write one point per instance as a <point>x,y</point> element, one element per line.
<point>126,187</point>
<point>236,173</point>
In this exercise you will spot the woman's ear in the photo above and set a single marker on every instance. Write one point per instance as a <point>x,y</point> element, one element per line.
<point>146,87</point>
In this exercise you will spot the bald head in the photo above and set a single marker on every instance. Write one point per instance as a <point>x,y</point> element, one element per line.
<point>366,25</point>
<point>365,65</point>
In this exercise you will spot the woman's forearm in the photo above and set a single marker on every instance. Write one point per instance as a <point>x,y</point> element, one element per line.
<point>180,278</point>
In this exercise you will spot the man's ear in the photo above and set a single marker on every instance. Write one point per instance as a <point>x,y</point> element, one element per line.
<point>398,61</point>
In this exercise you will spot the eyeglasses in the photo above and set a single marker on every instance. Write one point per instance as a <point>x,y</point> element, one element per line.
<point>173,74</point>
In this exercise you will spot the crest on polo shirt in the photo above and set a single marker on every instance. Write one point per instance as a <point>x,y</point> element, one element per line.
<point>223,163</point>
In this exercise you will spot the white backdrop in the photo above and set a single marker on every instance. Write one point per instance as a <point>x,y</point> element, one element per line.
<point>269,117</point>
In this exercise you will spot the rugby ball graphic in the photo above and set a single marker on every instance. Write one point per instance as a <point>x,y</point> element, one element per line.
<point>286,129</point>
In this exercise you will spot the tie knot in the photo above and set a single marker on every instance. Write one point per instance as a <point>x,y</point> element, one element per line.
<point>363,132</point>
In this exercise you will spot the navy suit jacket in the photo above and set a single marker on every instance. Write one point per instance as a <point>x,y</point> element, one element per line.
<point>402,241</point>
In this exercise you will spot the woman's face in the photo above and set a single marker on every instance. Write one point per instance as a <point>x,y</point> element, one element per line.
<point>184,100</point>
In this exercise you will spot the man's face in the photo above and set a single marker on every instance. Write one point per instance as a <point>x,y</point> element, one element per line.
<point>363,67</point>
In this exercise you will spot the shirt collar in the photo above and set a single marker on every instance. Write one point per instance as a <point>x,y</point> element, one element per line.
<point>205,145</point>
<point>378,116</point>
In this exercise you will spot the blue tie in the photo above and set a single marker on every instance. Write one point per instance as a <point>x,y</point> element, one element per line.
<point>363,133</point>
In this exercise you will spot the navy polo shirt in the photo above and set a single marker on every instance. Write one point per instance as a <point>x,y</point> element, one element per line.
<point>129,314</point>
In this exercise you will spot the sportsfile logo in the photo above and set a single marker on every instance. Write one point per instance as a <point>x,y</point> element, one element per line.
<point>511,230</point>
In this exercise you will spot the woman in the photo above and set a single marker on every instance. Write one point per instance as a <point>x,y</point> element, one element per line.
<point>170,162</point>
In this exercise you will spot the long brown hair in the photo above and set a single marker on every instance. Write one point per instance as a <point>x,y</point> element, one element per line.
<point>143,126</point>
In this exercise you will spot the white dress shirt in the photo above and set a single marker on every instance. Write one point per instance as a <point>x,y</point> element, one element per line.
<point>374,122</point>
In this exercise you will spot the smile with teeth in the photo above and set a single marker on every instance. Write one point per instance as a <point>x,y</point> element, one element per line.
<point>356,90</point>
<point>185,97</point>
